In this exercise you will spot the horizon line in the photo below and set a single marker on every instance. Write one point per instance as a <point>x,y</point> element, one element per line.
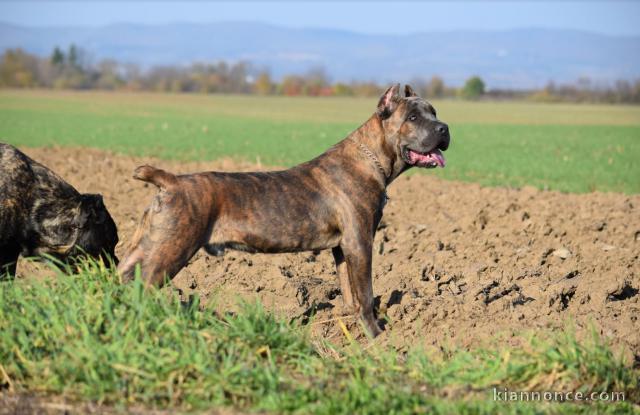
<point>310,27</point>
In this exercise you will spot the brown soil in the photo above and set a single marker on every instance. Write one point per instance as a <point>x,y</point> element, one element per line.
<point>454,263</point>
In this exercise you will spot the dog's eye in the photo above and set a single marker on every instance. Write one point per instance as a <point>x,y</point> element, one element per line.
<point>412,118</point>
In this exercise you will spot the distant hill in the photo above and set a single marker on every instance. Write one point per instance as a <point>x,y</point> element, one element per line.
<point>520,58</point>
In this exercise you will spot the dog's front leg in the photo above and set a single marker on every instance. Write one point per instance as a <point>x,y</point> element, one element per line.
<point>357,255</point>
<point>343,276</point>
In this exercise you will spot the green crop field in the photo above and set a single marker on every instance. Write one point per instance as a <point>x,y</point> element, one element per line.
<point>574,148</point>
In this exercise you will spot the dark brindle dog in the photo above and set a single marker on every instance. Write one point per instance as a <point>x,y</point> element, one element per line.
<point>42,214</point>
<point>333,201</point>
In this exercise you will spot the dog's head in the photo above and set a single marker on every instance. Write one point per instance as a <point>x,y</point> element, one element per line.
<point>66,232</point>
<point>97,234</point>
<point>412,128</point>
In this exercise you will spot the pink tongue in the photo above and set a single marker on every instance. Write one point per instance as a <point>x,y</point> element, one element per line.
<point>423,159</point>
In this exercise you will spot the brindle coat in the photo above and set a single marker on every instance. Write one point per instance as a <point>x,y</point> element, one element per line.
<point>333,201</point>
<point>42,214</point>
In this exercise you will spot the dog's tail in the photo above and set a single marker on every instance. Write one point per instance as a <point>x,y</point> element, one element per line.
<point>162,179</point>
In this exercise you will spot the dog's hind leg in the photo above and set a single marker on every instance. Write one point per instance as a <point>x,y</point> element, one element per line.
<point>171,231</point>
<point>135,253</point>
<point>164,242</point>
<point>163,246</point>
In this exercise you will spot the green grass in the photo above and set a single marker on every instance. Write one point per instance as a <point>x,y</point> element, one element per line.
<point>573,148</point>
<point>87,337</point>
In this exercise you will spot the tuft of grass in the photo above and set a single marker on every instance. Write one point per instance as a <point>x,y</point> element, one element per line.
<point>573,148</point>
<point>86,336</point>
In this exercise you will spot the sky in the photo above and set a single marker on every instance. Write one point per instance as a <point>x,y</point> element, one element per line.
<point>613,17</point>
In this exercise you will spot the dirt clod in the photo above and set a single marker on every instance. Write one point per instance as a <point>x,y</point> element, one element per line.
<point>624,292</point>
<point>562,253</point>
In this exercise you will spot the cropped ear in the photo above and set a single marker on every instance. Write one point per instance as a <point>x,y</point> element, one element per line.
<point>409,92</point>
<point>389,101</point>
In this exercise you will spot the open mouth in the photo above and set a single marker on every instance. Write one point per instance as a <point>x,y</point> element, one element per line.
<point>433,158</point>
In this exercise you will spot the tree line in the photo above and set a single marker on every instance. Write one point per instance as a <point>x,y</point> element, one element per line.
<point>72,69</point>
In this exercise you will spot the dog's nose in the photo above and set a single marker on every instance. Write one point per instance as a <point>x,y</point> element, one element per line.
<point>443,131</point>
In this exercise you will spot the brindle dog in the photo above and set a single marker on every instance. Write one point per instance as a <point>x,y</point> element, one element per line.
<point>333,201</point>
<point>42,214</point>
